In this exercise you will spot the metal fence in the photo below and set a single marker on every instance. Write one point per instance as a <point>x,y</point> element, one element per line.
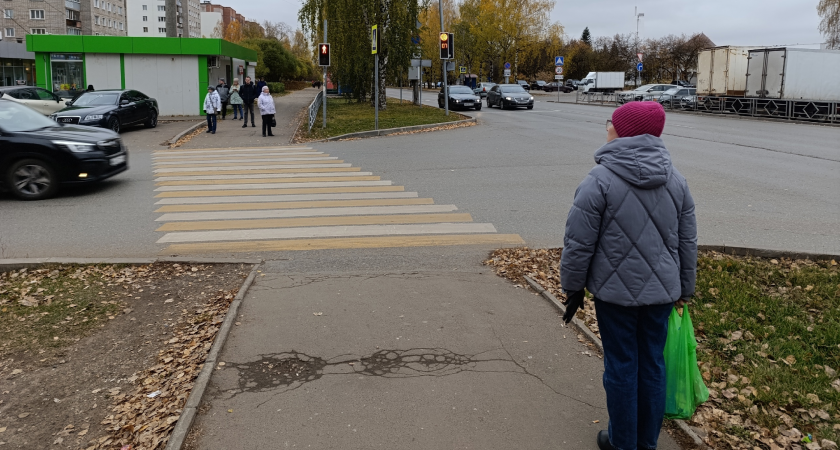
<point>314,107</point>
<point>799,110</point>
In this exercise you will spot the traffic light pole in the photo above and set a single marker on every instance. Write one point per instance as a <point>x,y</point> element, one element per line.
<point>324,85</point>
<point>443,61</point>
<point>376,91</point>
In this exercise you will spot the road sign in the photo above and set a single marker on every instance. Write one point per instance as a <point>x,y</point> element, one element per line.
<point>507,66</point>
<point>374,40</point>
<point>639,67</point>
<point>559,60</point>
<point>558,70</point>
<point>462,69</point>
<point>421,63</point>
<point>324,54</point>
<point>415,40</point>
<point>558,77</point>
<point>640,56</point>
<point>507,72</point>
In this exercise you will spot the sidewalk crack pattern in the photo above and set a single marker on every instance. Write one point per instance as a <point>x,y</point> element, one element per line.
<point>283,372</point>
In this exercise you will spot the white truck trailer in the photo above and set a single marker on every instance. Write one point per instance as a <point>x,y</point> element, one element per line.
<point>794,74</point>
<point>607,82</point>
<point>722,71</point>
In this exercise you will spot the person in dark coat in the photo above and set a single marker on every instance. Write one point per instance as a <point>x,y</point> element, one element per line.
<point>260,84</point>
<point>249,93</point>
<point>631,240</point>
<point>224,94</point>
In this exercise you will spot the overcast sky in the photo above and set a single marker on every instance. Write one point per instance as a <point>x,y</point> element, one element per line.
<point>726,22</point>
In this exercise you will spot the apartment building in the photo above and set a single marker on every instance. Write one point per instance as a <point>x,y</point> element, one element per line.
<point>63,17</point>
<point>215,13</point>
<point>147,18</point>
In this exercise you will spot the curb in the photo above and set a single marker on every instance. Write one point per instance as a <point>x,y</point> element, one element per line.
<point>185,132</point>
<point>185,421</point>
<point>580,326</point>
<point>766,253</point>
<point>20,263</point>
<point>387,131</point>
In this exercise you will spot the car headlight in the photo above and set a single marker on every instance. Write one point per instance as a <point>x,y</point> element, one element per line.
<point>92,117</point>
<point>457,101</point>
<point>532,98</point>
<point>76,147</point>
<point>508,98</point>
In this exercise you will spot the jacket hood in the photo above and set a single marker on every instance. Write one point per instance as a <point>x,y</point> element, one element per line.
<point>643,161</point>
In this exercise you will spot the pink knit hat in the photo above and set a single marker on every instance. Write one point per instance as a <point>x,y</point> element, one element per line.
<point>637,118</point>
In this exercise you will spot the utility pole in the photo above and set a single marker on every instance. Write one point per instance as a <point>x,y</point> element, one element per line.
<point>444,62</point>
<point>324,84</point>
<point>638,18</point>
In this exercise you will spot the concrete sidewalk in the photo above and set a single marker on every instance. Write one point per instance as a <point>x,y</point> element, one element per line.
<point>229,132</point>
<point>401,359</point>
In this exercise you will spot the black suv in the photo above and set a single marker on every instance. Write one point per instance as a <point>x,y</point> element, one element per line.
<point>37,155</point>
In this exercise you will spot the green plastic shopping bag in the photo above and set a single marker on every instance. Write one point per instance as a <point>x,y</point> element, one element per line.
<point>685,388</point>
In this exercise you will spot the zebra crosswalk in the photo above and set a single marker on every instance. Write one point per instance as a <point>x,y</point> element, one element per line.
<point>290,198</point>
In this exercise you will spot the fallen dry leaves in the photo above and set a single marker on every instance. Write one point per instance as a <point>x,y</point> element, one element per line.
<point>713,423</point>
<point>145,417</point>
<point>187,137</point>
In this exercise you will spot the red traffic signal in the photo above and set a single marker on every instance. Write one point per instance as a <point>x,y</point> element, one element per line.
<point>447,45</point>
<point>323,54</point>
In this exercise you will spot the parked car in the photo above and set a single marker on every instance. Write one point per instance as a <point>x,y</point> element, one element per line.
<point>573,84</point>
<point>509,96</point>
<point>38,155</point>
<point>646,92</point>
<point>673,96</point>
<point>39,99</point>
<point>113,109</point>
<point>524,84</point>
<point>689,102</point>
<point>538,85</point>
<point>460,97</point>
<point>683,83</point>
<point>482,88</point>
<point>555,86</point>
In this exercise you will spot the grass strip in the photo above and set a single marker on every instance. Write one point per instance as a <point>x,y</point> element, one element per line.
<point>345,117</point>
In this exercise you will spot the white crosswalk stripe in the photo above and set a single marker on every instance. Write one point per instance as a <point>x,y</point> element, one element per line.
<point>290,198</point>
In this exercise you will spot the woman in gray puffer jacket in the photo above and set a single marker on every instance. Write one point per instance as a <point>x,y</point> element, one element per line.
<point>631,240</point>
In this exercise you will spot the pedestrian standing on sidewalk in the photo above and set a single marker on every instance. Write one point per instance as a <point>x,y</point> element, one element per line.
<point>631,240</point>
<point>236,99</point>
<point>224,94</point>
<point>266,105</point>
<point>249,93</point>
<point>212,105</point>
<point>261,84</point>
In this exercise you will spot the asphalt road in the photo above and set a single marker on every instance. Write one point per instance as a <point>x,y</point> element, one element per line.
<point>756,183</point>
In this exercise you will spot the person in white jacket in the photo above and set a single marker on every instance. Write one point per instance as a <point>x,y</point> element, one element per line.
<point>212,106</point>
<point>266,104</point>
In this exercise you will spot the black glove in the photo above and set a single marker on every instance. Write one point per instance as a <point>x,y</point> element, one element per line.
<point>574,300</point>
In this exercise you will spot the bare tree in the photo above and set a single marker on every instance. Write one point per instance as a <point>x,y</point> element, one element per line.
<point>829,11</point>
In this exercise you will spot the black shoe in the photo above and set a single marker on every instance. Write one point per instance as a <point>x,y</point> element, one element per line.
<point>271,134</point>
<point>263,135</point>
<point>604,440</point>
<point>253,126</point>
<point>245,126</point>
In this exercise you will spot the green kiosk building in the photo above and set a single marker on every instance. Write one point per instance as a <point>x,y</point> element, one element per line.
<point>174,71</point>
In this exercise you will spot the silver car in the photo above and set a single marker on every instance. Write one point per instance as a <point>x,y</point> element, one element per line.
<point>644,93</point>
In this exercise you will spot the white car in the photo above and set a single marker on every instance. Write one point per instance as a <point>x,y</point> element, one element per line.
<point>644,93</point>
<point>41,100</point>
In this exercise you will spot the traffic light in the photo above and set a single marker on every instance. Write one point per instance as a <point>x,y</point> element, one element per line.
<point>323,54</point>
<point>445,45</point>
<point>451,45</point>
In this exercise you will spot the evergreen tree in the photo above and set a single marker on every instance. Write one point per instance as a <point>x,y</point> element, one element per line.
<point>586,38</point>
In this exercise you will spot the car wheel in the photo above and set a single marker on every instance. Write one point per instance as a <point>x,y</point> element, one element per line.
<point>152,122</point>
<point>489,105</point>
<point>32,179</point>
<point>114,124</point>
<point>530,106</point>
<point>478,106</point>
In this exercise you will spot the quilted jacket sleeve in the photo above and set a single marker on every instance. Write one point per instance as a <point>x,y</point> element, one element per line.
<point>582,230</point>
<point>688,246</point>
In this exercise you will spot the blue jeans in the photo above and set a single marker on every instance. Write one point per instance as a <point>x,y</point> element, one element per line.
<point>235,109</point>
<point>634,371</point>
<point>211,123</point>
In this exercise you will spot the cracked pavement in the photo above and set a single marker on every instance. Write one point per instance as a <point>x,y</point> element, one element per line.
<point>401,359</point>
